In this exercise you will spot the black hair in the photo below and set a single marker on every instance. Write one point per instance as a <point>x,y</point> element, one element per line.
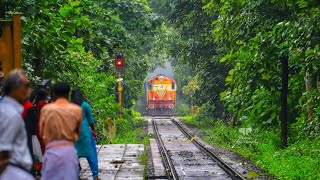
<point>42,94</point>
<point>61,89</point>
<point>77,96</point>
<point>13,81</point>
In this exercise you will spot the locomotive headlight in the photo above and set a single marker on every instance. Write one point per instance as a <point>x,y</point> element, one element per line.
<point>151,106</point>
<point>169,98</point>
<point>171,106</point>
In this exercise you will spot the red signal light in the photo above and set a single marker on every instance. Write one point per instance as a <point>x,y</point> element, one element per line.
<point>119,62</point>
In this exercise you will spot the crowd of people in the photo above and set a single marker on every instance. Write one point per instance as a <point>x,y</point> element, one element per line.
<point>46,137</point>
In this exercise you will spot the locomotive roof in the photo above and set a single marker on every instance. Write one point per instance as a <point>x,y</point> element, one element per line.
<point>167,77</point>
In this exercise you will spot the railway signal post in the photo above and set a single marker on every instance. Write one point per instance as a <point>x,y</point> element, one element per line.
<point>120,95</point>
<point>119,64</point>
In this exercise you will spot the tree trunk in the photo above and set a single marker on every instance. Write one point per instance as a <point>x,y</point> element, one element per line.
<point>37,67</point>
<point>233,120</point>
<point>284,97</point>
<point>307,80</point>
<point>192,110</point>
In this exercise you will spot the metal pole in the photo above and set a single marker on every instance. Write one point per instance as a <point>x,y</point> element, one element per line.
<point>120,96</point>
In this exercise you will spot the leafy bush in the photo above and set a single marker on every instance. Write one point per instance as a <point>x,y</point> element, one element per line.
<point>128,132</point>
<point>75,42</point>
<point>183,109</point>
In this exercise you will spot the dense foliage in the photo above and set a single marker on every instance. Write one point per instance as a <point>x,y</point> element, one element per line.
<point>226,56</point>
<point>256,41</point>
<point>233,51</point>
<point>228,60</point>
<point>75,41</point>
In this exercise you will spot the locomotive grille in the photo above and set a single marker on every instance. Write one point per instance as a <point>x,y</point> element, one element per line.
<point>161,94</point>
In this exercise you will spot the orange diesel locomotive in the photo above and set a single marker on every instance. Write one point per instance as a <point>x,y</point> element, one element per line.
<point>160,92</point>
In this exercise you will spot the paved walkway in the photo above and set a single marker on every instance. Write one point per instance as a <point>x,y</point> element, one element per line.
<point>117,161</point>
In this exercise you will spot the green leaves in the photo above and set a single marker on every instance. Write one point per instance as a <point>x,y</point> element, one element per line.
<point>65,10</point>
<point>75,41</point>
<point>302,4</point>
<point>225,58</point>
<point>72,6</point>
<point>254,39</point>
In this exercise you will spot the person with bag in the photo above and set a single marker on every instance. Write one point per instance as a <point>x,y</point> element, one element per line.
<point>29,116</point>
<point>42,100</point>
<point>86,145</point>
<point>15,158</point>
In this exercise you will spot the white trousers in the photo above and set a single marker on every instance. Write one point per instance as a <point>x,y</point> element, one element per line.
<point>14,173</point>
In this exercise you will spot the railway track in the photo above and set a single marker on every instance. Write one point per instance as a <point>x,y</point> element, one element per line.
<point>184,157</point>
<point>167,161</point>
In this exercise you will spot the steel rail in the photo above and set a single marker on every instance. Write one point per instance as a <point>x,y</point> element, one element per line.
<point>229,170</point>
<point>163,115</point>
<point>167,162</point>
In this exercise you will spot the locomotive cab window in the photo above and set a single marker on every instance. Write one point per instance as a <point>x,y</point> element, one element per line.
<point>172,85</point>
<point>149,86</point>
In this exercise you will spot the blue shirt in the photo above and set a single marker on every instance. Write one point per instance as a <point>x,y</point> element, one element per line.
<point>13,136</point>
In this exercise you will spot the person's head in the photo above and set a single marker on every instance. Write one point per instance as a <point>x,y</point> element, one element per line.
<point>77,96</point>
<point>16,85</point>
<point>29,92</point>
<point>61,90</point>
<point>42,94</point>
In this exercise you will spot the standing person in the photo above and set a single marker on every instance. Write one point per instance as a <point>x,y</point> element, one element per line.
<point>86,145</point>
<point>59,127</point>
<point>30,119</point>
<point>15,158</point>
<point>29,116</point>
<point>42,96</point>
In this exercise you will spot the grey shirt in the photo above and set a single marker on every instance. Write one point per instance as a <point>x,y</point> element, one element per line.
<point>13,136</point>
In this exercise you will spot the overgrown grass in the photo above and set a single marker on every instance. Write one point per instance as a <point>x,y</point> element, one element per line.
<point>128,132</point>
<point>301,160</point>
<point>144,159</point>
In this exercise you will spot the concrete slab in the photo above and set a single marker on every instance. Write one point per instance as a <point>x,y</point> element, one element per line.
<point>159,169</point>
<point>116,161</point>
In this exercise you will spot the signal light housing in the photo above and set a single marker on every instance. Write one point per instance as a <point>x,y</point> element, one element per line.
<point>119,62</point>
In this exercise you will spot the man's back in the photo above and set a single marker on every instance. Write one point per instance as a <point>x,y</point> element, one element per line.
<point>13,137</point>
<point>60,120</point>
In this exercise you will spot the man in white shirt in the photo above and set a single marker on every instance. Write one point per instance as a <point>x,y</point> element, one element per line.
<point>15,158</point>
